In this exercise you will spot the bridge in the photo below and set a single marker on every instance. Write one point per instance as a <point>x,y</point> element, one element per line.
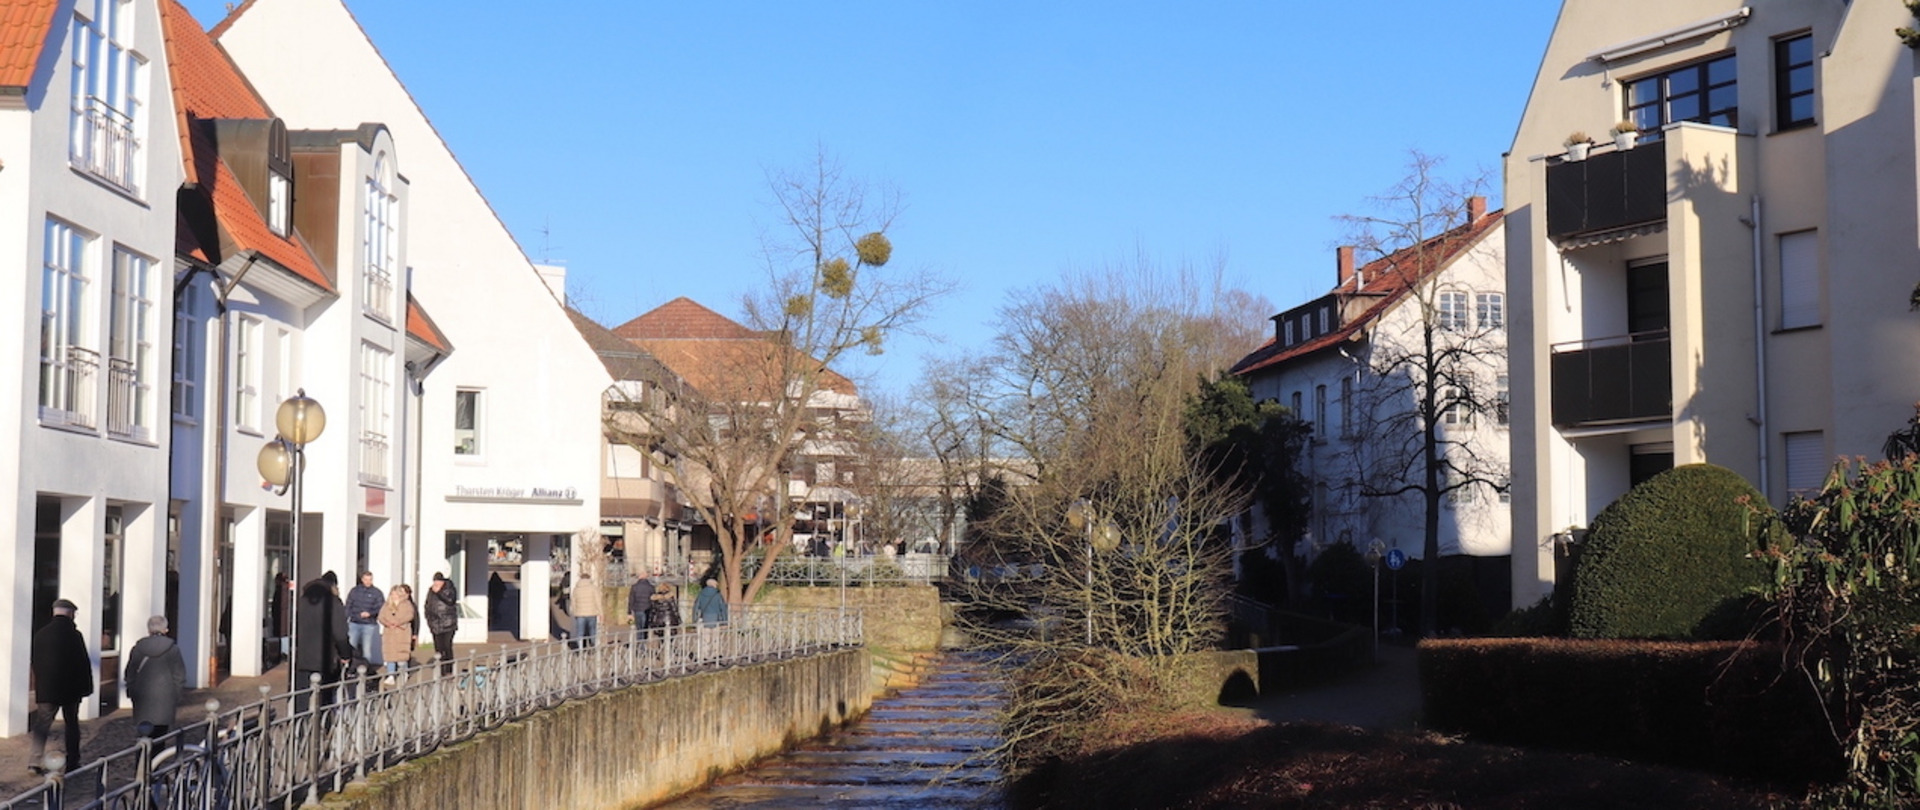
<point>636,717</point>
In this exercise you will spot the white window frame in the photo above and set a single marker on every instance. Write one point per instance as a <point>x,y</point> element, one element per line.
<point>1455,410</point>
<point>1324,319</point>
<point>379,242</point>
<point>471,447</point>
<point>1347,409</point>
<point>376,414</point>
<point>1450,311</point>
<point>68,365</point>
<point>1288,323</point>
<point>109,83</point>
<point>130,346</point>
<point>247,374</point>
<point>186,360</point>
<point>1320,412</point>
<point>279,203</point>
<point>1800,280</point>
<point>1806,460</point>
<point>1502,400</point>
<point>1490,311</point>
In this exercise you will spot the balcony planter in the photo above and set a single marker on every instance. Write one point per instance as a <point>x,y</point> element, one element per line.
<point>1578,145</point>
<point>1625,134</point>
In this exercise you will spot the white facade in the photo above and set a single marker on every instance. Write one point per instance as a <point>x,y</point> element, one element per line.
<point>1750,297</point>
<point>1340,363</point>
<point>529,469</point>
<point>87,196</point>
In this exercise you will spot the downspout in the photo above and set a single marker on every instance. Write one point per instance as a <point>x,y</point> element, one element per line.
<point>417,376</point>
<point>1752,221</point>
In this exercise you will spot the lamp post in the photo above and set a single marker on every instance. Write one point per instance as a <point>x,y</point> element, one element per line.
<point>282,462</point>
<point>1099,533</point>
<point>1375,551</point>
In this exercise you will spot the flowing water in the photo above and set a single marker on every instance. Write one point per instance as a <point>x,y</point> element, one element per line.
<point>925,747</point>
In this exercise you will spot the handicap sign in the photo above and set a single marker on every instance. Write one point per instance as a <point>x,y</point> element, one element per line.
<point>1395,559</point>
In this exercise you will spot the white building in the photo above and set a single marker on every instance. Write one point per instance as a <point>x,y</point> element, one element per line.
<point>87,202</point>
<point>1345,364</point>
<point>1733,288</point>
<point>510,424</point>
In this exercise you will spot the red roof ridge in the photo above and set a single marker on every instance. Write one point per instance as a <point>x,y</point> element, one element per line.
<point>684,319</point>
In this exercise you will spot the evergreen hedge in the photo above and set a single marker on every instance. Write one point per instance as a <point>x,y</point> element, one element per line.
<point>1671,559</point>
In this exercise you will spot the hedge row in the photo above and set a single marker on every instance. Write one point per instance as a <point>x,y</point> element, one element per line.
<point>1717,705</point>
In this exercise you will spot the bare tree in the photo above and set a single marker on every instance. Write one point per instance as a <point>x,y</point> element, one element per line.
<point>765,405</point>
<point>1428,366</point>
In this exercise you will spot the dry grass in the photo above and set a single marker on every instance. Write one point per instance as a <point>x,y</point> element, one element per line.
<point>1218,759</point>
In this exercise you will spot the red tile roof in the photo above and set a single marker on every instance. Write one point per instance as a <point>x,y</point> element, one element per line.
<point>682,318</point>
<point>1389,278</point>
<point>24,27</point>
<point>422,328</point>
<point>208,86</point>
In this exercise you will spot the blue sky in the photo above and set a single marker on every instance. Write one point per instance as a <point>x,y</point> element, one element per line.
<point>630,140</point>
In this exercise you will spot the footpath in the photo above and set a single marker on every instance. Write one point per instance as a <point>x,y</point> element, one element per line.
<point>1380,696</point>
<point>115,731</point>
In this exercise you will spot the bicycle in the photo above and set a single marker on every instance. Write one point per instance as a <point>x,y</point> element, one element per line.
<point>185,775</point>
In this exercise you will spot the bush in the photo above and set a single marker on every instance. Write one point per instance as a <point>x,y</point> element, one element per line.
<point>1547,618</point>
<point>1671,559</point>
<point>1342,583</point>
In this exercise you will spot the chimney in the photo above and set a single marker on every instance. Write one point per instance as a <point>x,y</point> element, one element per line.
<point>555,275</point>
<point>1343,256</point>
<point>1476,208</point>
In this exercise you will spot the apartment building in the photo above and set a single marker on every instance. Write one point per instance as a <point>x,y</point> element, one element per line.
<point>1728,283</point>
<point>510,423</point>
<point>87,201</point>
<point>1351,363</point>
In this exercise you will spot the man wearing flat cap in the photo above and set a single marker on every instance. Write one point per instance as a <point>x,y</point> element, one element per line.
<point>62,677</point>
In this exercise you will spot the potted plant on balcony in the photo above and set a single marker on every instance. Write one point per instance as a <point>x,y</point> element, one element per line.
<point>1625,134</point>
<point>1578,144</point>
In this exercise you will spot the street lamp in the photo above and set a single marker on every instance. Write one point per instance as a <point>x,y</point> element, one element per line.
<point>1099,533</point>
<point>282,463</point>
<point>1375,551</point>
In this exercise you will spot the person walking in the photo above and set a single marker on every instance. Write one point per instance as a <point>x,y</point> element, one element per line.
<point>63,676</point>
<point>664,613</point>
<point>396,630</point>
<point>156,677</point>
<point>586,604</point>
<point>320,633</point>
<point>363,618</point>
<point>443,617</point>
<point>639,598</point>
<point>710,607</point>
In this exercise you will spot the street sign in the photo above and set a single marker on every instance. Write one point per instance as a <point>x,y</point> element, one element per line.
<point>1395,559</point>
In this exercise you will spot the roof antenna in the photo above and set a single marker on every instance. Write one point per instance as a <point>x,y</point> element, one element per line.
<point>546,241</point>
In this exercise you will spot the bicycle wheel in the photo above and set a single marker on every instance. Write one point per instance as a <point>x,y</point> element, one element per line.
<point>185,778</point>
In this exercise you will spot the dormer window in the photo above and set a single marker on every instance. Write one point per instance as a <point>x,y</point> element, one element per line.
<point>279,180</point>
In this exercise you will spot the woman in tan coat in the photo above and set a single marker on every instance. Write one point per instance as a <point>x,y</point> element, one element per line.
<point>396,629</point>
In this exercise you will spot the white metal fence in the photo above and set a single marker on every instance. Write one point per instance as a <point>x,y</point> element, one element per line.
<point>287,749</point>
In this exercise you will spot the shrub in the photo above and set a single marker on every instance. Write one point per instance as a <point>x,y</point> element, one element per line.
<point>1342,583</point>
<point>1671,559</point>
<point>1547,618</point>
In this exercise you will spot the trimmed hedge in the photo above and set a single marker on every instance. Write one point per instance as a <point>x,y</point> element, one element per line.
<point>1669,559</point>
<point>1718,705</point>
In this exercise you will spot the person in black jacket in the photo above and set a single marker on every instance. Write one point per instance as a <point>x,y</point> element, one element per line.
<point>639,598</point>
<point>63,676</point>
<point>321,633</point>
<point>443,618</point>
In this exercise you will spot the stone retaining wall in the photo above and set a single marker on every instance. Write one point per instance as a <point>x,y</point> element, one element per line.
<point>634,746</point>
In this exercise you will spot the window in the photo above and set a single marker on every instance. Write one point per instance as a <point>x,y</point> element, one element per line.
<point>1346,406</point>
<point>1703,92</point>
<point>1502,400</point>
<point>1793,82</point>
<point>466,423</point>
<point>246,374</point>
<point>279,180</point>
<point>1289,340</point>
<point>1506,490</point>
<point>130,348</point>
<point>380,242</point>
<point>1490,311</point>
<point>1455,409</point>
<point>1452,311</point>
<point>1806,462</point>
<point>1459,490</point>
<point>186,359</point>
<point>1799,279</point>
<point>376,412</point>
<point>109,85</point>
<point>1325,316</point>
<point>1297,412</point>
<point>1320,411</point>
<point>67,366</point>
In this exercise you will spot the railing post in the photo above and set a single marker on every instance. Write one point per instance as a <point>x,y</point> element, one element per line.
<point>211,764</point>
<point>313,741</point>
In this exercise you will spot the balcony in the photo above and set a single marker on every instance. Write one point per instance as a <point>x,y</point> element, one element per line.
<point>373,459</point>
<point>1613,380</point>
<point>104,144</point>
<point>1609,190</point>
<point>67,387</point>
<point>126,400</point>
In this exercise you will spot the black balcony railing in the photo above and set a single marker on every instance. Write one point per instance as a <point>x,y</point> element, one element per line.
<point>1628,378</point>
<point>1611,189</point>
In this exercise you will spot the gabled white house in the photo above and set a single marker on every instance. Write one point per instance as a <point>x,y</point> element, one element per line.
<point>510,424</point>
<point>1340,363</point>
<point>92,162</point>
<point>1730,285</point>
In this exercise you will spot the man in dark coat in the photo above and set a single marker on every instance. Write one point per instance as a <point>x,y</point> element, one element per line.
<point>321,635</point>
<point>639,598</point>
<point>63,676</point>
<point>156,677</point>
<point>443,618</point>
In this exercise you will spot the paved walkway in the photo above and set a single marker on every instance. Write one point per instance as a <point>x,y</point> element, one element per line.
<point>1385,695</point>
<point>115,731</point>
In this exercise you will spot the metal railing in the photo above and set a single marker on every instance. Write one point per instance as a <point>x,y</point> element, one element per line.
<point>288,748</point>
<point>373,458</point>
<point>123,399</point>
<point>67,387</point>
<point>105,145</point>
<point>904,569</point>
